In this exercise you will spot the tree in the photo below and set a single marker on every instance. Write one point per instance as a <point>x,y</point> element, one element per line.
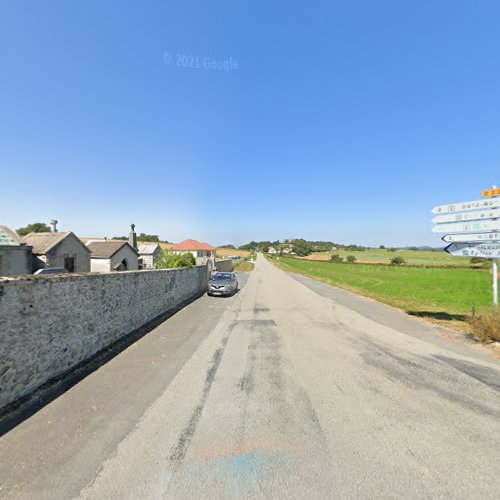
<point>35,227</point>
<point>336,258</point>
<point>263,246</point>
<point>250,246</point>
<point>148,237</point>
<point>351,259</point>
<point>382,247</point>
<point>301,247</point>
<point>230,247</point>
<point>171,260</point>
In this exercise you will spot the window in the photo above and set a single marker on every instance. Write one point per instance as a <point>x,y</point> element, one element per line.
<point>69,264</point>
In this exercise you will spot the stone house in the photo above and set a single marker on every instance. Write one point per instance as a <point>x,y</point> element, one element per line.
<point>15,255</point>
<point>112,255</point>
<point>196,248</point>
<point>58,249</point>
<point>148,255</point>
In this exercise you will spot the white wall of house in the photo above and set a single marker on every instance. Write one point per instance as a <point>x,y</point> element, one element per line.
<point>100,265</point>
<point>197,253</point>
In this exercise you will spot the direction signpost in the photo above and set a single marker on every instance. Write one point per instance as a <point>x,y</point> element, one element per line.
<point>479,250</point>
<point>476,226</point>
<point>473,229</point>
<point>492,213</point>
<point>471,237</point>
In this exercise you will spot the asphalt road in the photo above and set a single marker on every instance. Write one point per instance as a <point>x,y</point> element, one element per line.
<point>289,389</point>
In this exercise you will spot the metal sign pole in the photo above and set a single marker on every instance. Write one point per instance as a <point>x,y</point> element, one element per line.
<point>495,282</point>
<point>494,270</point>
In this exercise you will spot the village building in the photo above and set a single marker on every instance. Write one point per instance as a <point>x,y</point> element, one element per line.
<point>15,255</point>
<point>148,255</point>
<point>272,251</point>
<point>195,248</point>
<point>112,255</point>
<point>58,249</point>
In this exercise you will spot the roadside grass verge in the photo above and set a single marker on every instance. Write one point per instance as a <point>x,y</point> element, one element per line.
<point>244,266</point>
<point>445,296</point>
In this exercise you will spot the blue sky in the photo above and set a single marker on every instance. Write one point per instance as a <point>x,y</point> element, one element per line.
<point>343,121</point>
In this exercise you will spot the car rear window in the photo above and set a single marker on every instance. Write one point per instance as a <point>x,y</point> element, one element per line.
<point>222,276</point>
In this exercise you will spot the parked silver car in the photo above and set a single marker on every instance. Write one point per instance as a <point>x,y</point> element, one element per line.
<point>51,270</point>
<point>223,284</point>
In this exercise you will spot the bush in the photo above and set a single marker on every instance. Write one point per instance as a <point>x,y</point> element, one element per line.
<point>391,249</point>
<point>336,258</point>
<point>351,259</point>
<point>170,260</point>
<point>486,326</point>
<point>397,261</point>
<point>478,262</point>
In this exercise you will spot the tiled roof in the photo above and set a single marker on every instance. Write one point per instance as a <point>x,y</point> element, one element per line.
<point>105,249</point>
<point>9,237</point>
<point>44,242</point>
<point>148,248</point>
<point>192,245</point>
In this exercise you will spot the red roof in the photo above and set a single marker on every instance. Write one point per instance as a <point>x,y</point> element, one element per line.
<point>189,245</point>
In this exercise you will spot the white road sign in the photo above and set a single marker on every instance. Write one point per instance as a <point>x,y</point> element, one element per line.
<point>492,213</point>
<point>467,205</point>
<point>467,227</point>
<point>473,229</point>
<point>471,237</point>
<point>481,250</point>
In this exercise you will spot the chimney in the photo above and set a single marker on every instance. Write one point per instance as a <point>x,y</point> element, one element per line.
<point>132,237</point>
<point>53,226</point>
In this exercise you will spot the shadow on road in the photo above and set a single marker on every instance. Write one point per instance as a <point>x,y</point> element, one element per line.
<point>482,373</point>
<point>23,408</point>
<point>438,315</point>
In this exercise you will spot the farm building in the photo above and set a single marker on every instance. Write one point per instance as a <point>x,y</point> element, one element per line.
<point>112,255</point>
<point>58,249</point>
<point>148,254</point>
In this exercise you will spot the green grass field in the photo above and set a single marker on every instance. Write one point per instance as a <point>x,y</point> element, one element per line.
<point>441,294</point>
<point>412,257</point>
